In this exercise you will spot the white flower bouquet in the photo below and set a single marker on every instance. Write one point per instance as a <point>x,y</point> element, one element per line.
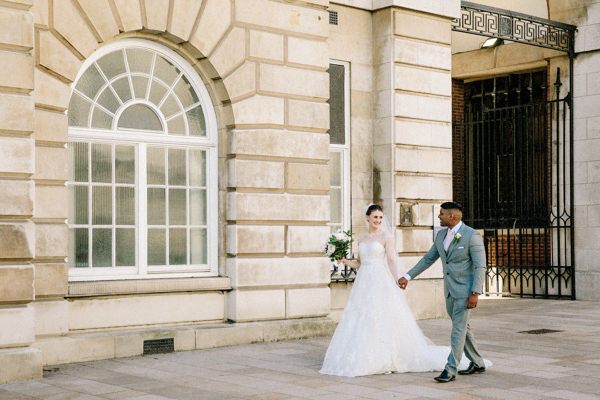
<point>338,245</point>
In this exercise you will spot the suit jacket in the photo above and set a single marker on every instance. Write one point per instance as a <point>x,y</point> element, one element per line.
<point>464,263</point>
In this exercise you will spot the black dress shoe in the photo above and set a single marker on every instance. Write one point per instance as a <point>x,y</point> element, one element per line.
<point>472,369</point>
<point>445,376</point>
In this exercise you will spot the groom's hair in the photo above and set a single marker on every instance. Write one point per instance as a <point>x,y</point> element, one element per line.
<point>453,207</point>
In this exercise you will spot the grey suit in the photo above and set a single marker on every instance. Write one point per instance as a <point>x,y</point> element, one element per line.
<point>464,269</point>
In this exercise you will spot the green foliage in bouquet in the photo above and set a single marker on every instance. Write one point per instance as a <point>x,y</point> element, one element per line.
<point>338,245</point>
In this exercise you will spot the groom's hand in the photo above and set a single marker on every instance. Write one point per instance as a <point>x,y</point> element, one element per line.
<point>403,282</point>
<point>472,301</point>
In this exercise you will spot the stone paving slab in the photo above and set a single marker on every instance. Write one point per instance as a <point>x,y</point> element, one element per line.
<point>562,365</point>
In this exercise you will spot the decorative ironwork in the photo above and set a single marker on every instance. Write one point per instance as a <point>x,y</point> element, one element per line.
<point>504,24</point>
<point>519,184</point>
<point>345,274</point>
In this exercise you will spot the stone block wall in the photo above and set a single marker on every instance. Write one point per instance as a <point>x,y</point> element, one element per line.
<point>17,194</point>
<point>586,106</point>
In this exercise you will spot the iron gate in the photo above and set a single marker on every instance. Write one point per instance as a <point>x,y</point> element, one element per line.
<point>518,191</point>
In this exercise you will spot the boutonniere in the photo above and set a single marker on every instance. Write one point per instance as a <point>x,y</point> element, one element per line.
<point>457,237</point>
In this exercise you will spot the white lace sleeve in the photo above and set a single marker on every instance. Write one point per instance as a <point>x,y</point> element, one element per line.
<point>392,258</point>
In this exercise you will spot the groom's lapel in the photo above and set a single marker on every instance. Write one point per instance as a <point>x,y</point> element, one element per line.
<point>454,242</point>
<point>439,242</point>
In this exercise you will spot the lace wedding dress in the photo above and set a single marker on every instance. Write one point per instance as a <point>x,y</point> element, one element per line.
<point>377,332</point>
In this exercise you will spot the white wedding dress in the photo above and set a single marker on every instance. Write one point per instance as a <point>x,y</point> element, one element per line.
<point>377,332</point>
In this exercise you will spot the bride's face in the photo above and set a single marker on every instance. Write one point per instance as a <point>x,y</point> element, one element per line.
<point>375,219</point>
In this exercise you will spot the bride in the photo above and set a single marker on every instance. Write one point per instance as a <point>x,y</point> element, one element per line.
<point>377,332</point>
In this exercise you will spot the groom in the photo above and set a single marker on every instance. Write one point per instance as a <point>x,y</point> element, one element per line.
<point>463,258</point>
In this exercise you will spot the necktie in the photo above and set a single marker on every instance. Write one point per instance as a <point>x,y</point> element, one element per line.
<point>448,239</point>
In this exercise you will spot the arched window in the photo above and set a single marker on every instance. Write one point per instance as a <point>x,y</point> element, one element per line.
<point>143,160</point>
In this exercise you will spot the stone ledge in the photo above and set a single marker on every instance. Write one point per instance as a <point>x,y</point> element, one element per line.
<point>106,345</point>
<point>144,286</point>
<point>20,364</point>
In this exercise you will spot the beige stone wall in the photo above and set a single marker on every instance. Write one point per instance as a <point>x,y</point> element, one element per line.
<point>17,194</point>
<point>586,108</point>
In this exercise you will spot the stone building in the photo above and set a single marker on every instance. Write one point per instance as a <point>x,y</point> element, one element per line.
<point>167,166</point>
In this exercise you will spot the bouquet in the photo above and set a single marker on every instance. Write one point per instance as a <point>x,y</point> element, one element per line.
<point>338,245</point>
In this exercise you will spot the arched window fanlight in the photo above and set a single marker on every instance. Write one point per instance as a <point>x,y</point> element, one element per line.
<point>143,167</point>
<point>136,88</point>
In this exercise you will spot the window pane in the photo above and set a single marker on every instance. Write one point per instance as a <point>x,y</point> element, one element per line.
<point>101,163</point>
<point>197,207</point>
<point>156,206</point>
<point>198,246</point>
<point>337,111</point>
<point>122,88</point>
<point>125,207</point>
<point>157,92</point>
<point>184,91</point>
<point>177,167</point>
<point>112,64</point>
<point>335,168</point>
<point>139,60</point>
<point>140,116</point>
<point>102,247</point>
<point>108,100</point>
<point>79,247</point>
<point>177,207</point>
<point>165,71</point>
<point>101,120</point>
<point>101,205</point>
<point>124,164</point>
<point>140,86</point>
<point>156,247</point>
<point>177,126</point>
<point>78,212</point>
<point>170,106</point>
<point>125,247</point>
<point>79,110</point>
<point>79,161</point>
<point>177,246</point>
<point>90,82</point>
<point>336,205</point>
<point>196,123</point>
<point>156,166</point>
<point>197,168</point>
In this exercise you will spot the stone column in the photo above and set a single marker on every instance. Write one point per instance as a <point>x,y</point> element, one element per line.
<point>17,232</point>
<point>278,202</point>
<point>413,131</point>
<point>586,111</point>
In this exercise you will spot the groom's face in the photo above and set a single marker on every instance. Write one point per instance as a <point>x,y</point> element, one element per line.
<point>446,217</point>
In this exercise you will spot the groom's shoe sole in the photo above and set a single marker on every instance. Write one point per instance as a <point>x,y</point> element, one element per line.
<point>445,377</point>
<point>472,370</point>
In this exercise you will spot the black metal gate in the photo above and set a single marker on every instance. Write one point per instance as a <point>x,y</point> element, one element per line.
<point>519,190</point>
<point>519,165</point>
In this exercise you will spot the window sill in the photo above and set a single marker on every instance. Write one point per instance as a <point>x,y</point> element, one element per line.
<point>147,286</point>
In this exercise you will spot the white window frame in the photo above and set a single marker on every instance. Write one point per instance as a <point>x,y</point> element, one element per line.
<point>344,149</point>
<point>141,140</point>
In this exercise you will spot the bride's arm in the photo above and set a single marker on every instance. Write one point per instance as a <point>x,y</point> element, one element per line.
<point>390,252</point>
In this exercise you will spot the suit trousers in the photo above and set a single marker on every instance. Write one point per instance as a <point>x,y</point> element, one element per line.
<point>461,338</point>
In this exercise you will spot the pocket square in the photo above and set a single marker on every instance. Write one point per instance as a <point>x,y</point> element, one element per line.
<point>461,247</point>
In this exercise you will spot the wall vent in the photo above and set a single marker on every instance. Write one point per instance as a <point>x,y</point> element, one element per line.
<point>333,17</point>
<point>157,346</point>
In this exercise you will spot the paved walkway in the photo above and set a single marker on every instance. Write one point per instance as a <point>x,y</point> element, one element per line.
<point>560,365</point>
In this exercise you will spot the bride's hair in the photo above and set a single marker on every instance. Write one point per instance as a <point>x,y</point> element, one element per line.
<point>373,207</point>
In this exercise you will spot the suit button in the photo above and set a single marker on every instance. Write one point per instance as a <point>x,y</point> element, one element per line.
<point>447,273</point>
